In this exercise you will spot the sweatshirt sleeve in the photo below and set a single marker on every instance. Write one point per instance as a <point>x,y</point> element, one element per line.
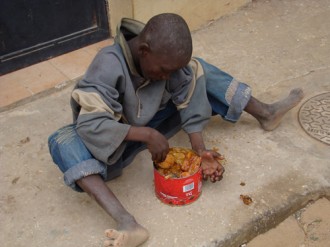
<point>98,97</point>
<point>189,96</point>
<point>197,113</point>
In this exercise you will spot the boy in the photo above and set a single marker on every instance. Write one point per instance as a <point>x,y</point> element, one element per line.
<point>135,95</point>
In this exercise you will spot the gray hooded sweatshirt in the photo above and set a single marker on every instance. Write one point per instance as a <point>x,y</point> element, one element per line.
<point>105,103</point>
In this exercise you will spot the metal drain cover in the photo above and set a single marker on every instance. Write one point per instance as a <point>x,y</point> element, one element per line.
<point>314,117</point>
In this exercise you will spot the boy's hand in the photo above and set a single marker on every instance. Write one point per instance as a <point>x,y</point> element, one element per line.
<point>211,167</point>
<point>157,145</point>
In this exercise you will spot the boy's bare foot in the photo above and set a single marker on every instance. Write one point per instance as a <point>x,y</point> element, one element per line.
<point>280,108</point>
<point>132,236</point>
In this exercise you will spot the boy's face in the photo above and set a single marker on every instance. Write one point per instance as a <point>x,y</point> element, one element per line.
<point>156,67</point>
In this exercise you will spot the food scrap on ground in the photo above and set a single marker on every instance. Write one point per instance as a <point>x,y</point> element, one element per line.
<point>25,140</point>
<point>246,199</point>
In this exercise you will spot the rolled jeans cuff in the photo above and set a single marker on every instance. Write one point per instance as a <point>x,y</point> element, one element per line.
<point>84,169</point>
<point>227,96</point>
<point>238,101</point>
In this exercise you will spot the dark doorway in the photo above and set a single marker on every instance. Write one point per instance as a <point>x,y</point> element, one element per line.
<point>36,30</point>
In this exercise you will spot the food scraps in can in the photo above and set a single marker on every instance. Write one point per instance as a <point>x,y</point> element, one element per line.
<point>179,163</point>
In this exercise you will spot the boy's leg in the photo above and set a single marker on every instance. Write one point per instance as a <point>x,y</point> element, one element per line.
<point>229,98</point>
<point>83,173</point>
<point>129,232</point>
<point>270,115</point>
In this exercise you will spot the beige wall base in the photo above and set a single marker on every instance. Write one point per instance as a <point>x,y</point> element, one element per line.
<point>197,13</point>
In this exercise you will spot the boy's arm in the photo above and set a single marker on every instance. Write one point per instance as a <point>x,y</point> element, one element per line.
<point>98,109</point>
<point>210,166</point>
<point>197,142</point>
<point>156,143</point>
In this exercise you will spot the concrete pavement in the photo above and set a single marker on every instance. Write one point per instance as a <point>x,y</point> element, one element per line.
<point>273,46</point>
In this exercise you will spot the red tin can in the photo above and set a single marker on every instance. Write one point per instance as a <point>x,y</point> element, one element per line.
<point>178,191</point>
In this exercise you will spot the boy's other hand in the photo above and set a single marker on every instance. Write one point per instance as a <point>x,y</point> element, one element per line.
<point>211,168</point>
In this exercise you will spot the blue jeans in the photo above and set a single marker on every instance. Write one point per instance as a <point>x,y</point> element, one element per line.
<point>227,97</point>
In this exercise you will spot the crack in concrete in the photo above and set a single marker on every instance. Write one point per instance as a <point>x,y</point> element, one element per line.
<point>301,75</point>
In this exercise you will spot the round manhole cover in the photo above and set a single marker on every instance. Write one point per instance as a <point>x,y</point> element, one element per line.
<point>314,117</point>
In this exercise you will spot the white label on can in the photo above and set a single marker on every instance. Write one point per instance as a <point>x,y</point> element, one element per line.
<point>189,187</point>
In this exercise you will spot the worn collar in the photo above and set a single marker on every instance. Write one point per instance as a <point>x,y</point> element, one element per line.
<point>135,27</point>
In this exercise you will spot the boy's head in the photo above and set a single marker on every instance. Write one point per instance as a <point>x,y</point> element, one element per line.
<point>165,46</point>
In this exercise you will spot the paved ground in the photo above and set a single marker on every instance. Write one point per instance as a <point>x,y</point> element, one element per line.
<point>273,46</point>
<point>308,227</point>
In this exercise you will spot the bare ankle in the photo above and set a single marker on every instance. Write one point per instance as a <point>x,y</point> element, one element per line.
<point>269,115</point>
<point>126,221</point>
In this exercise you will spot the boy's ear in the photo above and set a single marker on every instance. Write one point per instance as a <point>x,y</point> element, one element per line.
<point>144,48</point>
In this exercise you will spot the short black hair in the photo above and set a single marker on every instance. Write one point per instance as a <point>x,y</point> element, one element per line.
<point>168,33</point>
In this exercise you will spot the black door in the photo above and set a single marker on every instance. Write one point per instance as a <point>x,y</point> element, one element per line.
<point>35,30</point>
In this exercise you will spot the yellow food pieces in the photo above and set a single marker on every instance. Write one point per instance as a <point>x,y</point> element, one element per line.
<point>179,163</point>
